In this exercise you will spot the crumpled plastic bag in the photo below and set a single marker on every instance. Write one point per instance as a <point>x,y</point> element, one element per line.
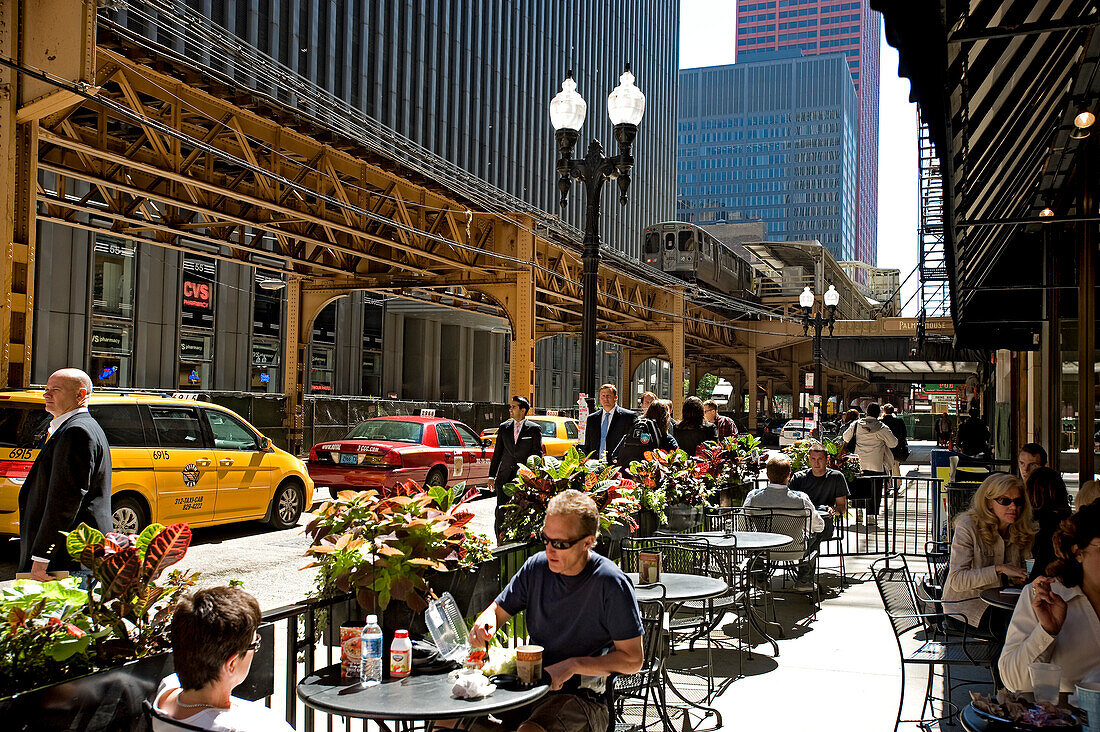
<point>471,685</point>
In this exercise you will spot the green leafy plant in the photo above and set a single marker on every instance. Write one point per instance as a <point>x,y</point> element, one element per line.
<point>668,478</point>
<point>846,462</point>
<point>544,477</point>
<point>381,547</point>
<point>125,596</point>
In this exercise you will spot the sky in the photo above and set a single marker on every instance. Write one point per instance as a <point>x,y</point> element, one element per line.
<point>707,39</point>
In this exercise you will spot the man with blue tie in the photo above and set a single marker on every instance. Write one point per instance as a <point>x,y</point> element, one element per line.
<point>607,427</point>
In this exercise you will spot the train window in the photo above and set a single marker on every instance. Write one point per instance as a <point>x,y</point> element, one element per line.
<point>652,243</point>
<point>685,241</point>
<point>670,241</point>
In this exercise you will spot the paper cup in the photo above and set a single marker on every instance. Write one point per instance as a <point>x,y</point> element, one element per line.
<point>1029,564</point>
<point>529,664</point>
<point>1046,678</point>
<point>1088,701</point>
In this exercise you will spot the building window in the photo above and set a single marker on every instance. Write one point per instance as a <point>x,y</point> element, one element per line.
<point>322,352</point>
<point>111,346</point>
<point>196,363</point>
<point>372,350</point>
<point>267,326</point>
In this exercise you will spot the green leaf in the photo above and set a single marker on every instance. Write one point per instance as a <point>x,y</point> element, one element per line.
<point>80,537</point>
<point>147,536</point>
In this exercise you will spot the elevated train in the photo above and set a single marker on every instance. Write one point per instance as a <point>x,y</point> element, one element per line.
<point>689,252</point>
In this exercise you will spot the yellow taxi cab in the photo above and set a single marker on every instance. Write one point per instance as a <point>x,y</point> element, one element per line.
<point>558,433</point>
<point>172,460</point>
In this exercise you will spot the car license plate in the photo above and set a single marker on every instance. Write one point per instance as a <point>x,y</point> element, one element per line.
<point>796,435</point>
<point>349,458</point>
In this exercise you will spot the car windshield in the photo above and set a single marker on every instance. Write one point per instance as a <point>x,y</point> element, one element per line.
<point>549,429</point>
<point>391,430</point>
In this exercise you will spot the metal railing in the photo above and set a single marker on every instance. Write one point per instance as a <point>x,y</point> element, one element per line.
<point>889,514</point>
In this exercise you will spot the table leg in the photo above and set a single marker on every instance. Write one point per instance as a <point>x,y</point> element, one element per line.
<point>760,624</point>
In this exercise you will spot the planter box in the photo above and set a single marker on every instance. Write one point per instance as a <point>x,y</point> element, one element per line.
<point>682,517</point>
<point>110,700</point>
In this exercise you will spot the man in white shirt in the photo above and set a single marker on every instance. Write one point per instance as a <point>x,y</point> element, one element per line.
<point>69,482</point>
<point>777,495</point>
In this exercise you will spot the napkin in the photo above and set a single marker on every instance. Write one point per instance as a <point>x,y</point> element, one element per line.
<point>471,685</point>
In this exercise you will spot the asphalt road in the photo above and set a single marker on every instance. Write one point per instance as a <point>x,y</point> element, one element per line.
<point>268,562</point>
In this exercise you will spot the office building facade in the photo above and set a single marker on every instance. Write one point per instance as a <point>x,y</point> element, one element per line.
<point>471,82</point>
<point>772,140</point>
<point>815,27</point>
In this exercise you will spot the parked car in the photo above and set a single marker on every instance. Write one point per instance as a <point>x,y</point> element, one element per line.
<point>795,430</point>
<point>173,460</point>
<point>383,452</point>
<point>770,430</point>
<point>558,433</point>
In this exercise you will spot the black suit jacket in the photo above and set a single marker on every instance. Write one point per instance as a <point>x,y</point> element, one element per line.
<point>621,421</point>
<point>69,484</point>
<point>508,454</point>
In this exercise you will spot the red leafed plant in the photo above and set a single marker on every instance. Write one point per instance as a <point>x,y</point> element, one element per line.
<point>381,547</point>
<point>125,595</point>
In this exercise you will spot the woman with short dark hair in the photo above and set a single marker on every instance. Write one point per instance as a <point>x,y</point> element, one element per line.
<point>1057,618</point>
<point>692,430</point>
<point>213,642</point>
<point>1049,505</point>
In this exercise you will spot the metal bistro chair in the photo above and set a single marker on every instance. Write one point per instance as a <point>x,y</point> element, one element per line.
<point>916,634</point>
<point>681,555</point>
<point>840,527</point>
<point>793,523</point>
<point>937,554</point>
<point>647,684</point>
<point>151,714</point>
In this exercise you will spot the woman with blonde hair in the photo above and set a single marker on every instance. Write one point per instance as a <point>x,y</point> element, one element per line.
<point>991,542</point>
<point>1089,493</point>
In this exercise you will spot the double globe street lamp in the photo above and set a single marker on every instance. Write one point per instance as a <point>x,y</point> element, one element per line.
<point>625,107</point>
<point>806,300</point>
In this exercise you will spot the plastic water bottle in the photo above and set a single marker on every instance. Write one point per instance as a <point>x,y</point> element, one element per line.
<point>371,650</point>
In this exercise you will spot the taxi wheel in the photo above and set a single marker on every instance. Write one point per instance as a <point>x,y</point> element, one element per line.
<point>128,515</point>
<point>286,506</point>
<point>436,477</point>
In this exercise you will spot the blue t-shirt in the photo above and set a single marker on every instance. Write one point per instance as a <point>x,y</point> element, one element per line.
<point>573,616</point>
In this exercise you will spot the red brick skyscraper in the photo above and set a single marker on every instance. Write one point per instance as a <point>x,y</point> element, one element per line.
<point>828,26</point>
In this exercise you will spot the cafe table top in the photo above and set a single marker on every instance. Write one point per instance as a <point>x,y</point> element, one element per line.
<point>680,587</point>
<point>745,540</point>
<point>423,697</point>
<point>1005,598</point>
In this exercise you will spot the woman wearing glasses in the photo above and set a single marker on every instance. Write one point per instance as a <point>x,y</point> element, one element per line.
<point>213,641</point>
<point>991,542</point>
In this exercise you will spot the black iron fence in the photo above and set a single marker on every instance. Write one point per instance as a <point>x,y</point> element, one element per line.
<point>889,514</point>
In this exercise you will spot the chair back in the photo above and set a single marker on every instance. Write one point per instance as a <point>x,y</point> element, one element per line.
<point>938,556</point>
<point>680,554</point>
<point>655,650</point>
<point>159,719</point>
<point>732,518</point>
<point>792,523</point>
<point>898,593</point>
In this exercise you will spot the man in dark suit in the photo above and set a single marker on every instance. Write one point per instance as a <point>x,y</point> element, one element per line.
<point>70,481</point>
<point>517,440</point>
<point>605,429</point>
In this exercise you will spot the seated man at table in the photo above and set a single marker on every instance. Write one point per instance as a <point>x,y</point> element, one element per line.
<point>213,642</point>
<point>825,487</point>
<point>777,495</point>
<point>581,609</point>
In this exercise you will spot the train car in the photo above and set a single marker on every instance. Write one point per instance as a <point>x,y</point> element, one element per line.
<point>690,252</point>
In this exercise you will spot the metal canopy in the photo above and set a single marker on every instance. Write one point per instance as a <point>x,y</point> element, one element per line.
<point>999,83</point>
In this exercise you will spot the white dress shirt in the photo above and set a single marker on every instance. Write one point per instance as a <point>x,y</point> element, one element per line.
<point>1076,648</point>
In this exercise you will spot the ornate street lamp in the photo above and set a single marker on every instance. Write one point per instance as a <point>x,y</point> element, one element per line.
<point>817,322</point>
<point>625,107</point>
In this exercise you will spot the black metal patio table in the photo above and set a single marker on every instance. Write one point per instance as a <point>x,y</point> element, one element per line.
<point>1002,597</point>
<point>417,698</point>
<point>752,542</point>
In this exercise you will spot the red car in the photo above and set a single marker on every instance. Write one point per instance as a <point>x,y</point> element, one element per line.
<point>384,452</point>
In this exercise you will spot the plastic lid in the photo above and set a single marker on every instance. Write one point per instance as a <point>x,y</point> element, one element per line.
<point>401,634</point>
<point>372,620</point>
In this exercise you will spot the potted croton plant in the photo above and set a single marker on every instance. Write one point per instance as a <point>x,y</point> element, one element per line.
<point>544,477</point>
<point>86,659</point>
<point>395,552</point>
<point>731,467</point>
<point>673,485</point>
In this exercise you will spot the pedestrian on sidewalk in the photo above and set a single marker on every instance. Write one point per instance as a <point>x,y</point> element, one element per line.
<point>897,427</point>
<point>517,439</point>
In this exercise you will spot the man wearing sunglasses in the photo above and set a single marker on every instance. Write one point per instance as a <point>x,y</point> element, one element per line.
<point>581,609</point>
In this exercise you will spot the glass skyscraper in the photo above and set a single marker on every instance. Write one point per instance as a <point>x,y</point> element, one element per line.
<point>772,139</point>
<point>826,26</point>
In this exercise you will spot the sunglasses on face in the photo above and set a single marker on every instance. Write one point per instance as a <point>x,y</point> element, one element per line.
<point>559,544</point>
<point>253,646</point>
<point>1018,502</point>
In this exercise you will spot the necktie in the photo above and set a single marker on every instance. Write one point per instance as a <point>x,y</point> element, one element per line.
<point>603,432</point>
<point>515,433</point>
